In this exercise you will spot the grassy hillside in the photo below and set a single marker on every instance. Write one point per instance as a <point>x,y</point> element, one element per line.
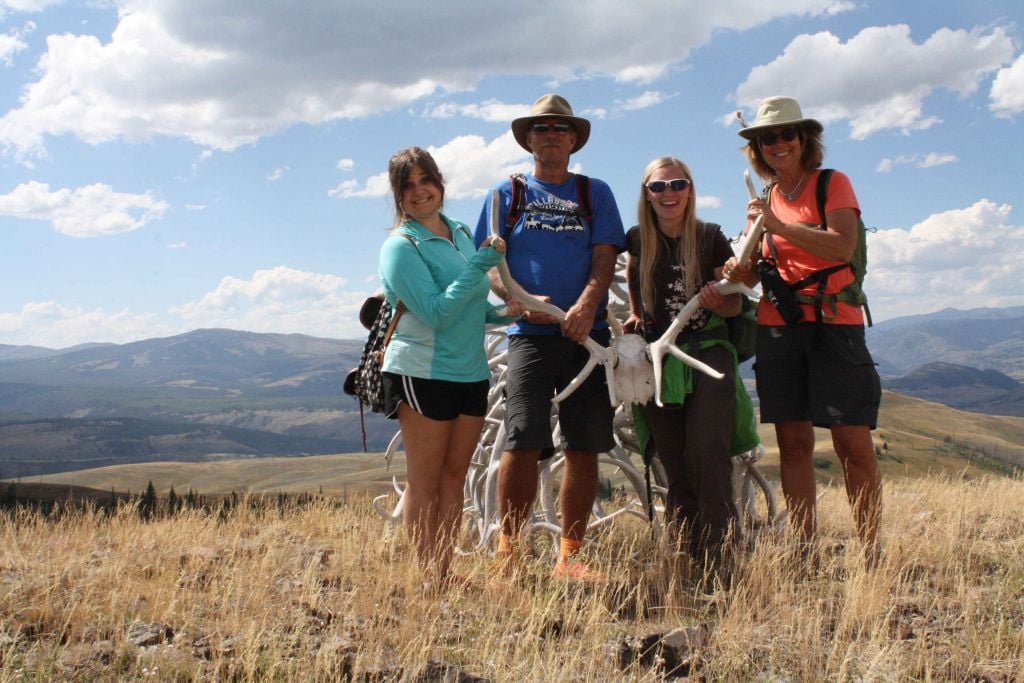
<point>328,592</point>
<point>914,438</point>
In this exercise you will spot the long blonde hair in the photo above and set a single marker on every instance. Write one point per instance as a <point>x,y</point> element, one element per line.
<point>651,241</point>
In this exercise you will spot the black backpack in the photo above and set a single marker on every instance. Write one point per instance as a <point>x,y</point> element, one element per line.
<point>365,381</point>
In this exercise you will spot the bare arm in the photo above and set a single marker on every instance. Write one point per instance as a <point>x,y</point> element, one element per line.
<point>836,242</point>
<point>579,319</point>
<point>634,323</point>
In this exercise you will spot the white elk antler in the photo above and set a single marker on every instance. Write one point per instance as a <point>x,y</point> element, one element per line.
<point>598,353</point>
<point>666,344</point>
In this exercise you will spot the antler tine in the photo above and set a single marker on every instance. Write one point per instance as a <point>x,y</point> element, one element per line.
<point>598,353</point>
<point>666,344</point>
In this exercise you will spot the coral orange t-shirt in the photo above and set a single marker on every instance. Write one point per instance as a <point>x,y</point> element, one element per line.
<point>795,263</point>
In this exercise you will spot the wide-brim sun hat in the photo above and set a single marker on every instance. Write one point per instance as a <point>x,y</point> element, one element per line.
<point>778,111</point>
<point>551,106</point>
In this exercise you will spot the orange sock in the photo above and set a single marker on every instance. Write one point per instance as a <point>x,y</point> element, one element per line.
<point>505,545</point>
<point>569,547</point>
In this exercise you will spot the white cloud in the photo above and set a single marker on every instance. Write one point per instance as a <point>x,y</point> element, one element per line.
<point>376,186</point>
<point>279,299</point>
<point>879,79</point>
<point>51,324</point>
<point>1008,90</point>
<point>927,161</point>
<point>278,173</point>
<point>11,6</point>
<point>238,70</point>
<point>10,45</point>
<point>346,164</point>
<point>490,110</point>
<point>935,159</point>
<point>470,166</point>
<point>88,211</point>
<point>709,202</point>
<point>647,99</point>
<point>177,245</point>
<point>195,207</point>
<point>963,258</point>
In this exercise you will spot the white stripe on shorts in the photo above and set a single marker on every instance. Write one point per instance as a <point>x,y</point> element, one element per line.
<point>410,394</point>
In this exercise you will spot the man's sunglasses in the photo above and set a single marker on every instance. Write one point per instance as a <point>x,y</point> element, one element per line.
<point>787,134</point>
<point>545,128</point>
<point>659,186</point>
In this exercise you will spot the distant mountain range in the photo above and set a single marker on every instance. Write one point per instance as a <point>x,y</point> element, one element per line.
<point>965,388</point>
<point>194,396</point>
<point>983,338</point>
<point>210,394</point>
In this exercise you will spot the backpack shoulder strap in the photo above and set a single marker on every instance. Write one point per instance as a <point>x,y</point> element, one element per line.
<point>821,193</point>
<point>707,249</point>
<point>515,208</point>
<point>583,197</point>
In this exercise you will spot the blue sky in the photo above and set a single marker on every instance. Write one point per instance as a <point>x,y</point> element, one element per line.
<point>166,166</point>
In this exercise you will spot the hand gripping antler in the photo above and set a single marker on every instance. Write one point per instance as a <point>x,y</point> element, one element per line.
<point>598,353</point>
<point>666,344</point>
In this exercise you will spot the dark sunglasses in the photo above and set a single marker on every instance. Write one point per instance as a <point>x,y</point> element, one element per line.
<point>787,134</point>
<point>659,186</point>
<point>545,128</point>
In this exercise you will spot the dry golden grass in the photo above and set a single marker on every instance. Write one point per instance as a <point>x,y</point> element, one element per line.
<point>325,590</point>
<point>316,592</point>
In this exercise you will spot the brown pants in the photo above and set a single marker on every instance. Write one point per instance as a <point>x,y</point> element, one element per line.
<point>692,442</point>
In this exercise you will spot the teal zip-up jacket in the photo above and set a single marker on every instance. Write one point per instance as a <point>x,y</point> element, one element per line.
<point>444,288</point>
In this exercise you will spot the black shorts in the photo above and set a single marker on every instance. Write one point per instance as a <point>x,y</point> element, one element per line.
<point>437,399</point>
<point>818,373</point>
<point>539,366</point>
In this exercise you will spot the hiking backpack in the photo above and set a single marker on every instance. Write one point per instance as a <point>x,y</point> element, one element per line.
<point>853,293</point>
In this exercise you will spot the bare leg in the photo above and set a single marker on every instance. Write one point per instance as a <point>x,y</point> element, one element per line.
<point>796,463</point>
<point>579,489</point>
<point>517,488</point>
<point>451,492</point>
<point>426,444</point>
<point>856,452</point>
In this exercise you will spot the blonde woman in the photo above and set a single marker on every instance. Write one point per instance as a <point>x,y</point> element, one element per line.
<point>673,257</point>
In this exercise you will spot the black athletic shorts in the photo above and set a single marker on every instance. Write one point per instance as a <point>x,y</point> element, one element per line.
<point>821,373</point>
<point>437,399</point>
<point>539,366</point>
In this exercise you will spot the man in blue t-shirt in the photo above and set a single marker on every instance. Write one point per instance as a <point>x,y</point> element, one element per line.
<point>566,253</point>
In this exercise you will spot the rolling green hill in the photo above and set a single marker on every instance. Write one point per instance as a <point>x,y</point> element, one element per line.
<point>914,438</point>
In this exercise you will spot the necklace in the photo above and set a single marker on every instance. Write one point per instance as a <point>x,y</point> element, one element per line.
<point>791,195</point>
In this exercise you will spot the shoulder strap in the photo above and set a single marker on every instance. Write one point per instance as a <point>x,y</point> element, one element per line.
<point>515,208</point>
<point>583,197</point>
<point>821,193</point>
<point>399,307</point>
<point>707,249</point>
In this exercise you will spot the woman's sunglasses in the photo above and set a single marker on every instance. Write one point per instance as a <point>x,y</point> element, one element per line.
<point>659,186</point>
<point>787,134</point>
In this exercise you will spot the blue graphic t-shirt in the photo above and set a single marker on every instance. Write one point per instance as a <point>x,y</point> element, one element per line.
<point>550,247</point>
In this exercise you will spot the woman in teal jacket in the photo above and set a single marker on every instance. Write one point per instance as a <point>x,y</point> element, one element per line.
<point>435,368</point>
